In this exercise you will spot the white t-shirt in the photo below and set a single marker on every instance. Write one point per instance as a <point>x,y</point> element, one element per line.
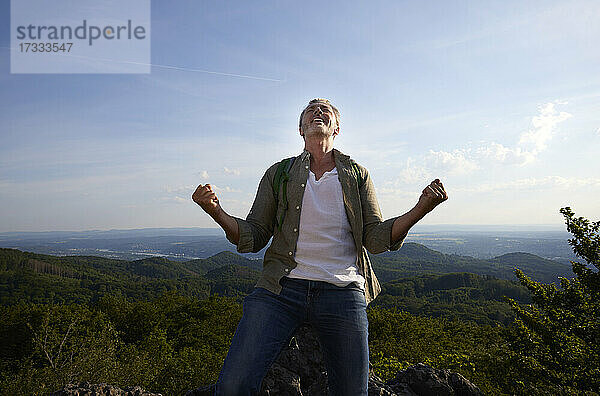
<point>325,250</point>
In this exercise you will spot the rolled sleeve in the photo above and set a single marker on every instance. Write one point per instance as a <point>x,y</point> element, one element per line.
<point>246,242</point>
<point>398,244</point>
<point>379,238</point>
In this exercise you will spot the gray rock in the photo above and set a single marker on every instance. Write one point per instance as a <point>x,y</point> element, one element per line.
<point>87,389</point>
<point>281,382</point>
<point>300,371</point>
<point>427,381</point>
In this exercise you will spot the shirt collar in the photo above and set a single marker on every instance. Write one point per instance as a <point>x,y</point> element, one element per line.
<point>336,154</point>
<point>305,155</point>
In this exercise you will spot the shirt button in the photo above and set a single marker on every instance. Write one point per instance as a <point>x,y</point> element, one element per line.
<point>297,207</point>
<point>306,166</point>
<point>295,230</point>
<point>290,253</point>
<point>302,185</point>
<point>287,270</point>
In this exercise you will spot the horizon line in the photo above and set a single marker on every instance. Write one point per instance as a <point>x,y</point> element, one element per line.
<point>444,225</point>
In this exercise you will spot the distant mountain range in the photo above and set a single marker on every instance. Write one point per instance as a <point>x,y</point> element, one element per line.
<point>184,244</point>
<point>414,259</point>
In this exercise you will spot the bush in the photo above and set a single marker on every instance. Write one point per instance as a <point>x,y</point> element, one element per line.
<point>557,340</point>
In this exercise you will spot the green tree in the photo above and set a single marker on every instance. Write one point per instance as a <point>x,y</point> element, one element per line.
<point>557,343</point>
<point>61,344</point>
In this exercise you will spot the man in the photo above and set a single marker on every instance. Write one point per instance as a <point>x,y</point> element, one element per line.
<point>316,270</point>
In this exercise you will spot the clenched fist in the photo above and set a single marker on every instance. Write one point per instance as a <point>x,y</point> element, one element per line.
<point>432,195</point>
<point>207,199</point>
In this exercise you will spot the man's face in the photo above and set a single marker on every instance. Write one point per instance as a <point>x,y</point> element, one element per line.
<point>318,119</point>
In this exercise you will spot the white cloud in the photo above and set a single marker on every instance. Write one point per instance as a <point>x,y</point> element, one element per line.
<point>506,155</point>
<point>480,156</point>
<point>543,127</point>
<point>179,199</point>
<point>598,131</point>
<point>204,174</point>
<point>412,173</point>
<point>224,189</point>
<point>456,162</point>
<point>235,172</point>
<point>574,182</point>
<point>530,143</point>
<point>397,192</point>
<point>534,183</point>
<point>179,189</point>
<point>175,199</point>
<point>191,188</point>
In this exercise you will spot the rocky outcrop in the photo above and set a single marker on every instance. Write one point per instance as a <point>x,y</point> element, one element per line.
<point>87,389</point>
<point>425,380</point>
<point>300,371</point>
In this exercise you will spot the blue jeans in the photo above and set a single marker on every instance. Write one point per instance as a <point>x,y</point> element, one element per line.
<point>338,315</point>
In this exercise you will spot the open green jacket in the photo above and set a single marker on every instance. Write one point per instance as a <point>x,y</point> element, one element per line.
<point>370,232</point>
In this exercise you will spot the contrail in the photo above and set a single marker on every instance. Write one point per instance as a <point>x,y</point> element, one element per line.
<point>188,69</point>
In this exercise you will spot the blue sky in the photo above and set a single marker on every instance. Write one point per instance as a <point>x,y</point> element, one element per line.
<point>499,99</point>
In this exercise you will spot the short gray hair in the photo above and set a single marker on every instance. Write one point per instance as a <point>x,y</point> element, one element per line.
<point>336,112</point>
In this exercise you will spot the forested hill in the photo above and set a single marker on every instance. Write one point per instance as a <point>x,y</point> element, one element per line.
<point>42,278</point>
<point>32,277</point>
<point>415,259</point>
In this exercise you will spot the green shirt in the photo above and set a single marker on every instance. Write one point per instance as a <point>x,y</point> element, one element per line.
<point>370,232</point>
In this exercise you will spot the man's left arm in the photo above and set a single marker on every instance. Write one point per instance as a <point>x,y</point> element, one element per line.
<point>380,236</point>
<point>431,196</point>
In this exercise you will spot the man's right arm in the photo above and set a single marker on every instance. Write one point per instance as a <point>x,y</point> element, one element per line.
<point>252,234</point>
<point>229,225</point>
<point>207,199</point>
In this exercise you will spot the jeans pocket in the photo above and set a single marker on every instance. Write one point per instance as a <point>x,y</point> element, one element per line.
<point>354,286</point>
<point>257,293</point>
